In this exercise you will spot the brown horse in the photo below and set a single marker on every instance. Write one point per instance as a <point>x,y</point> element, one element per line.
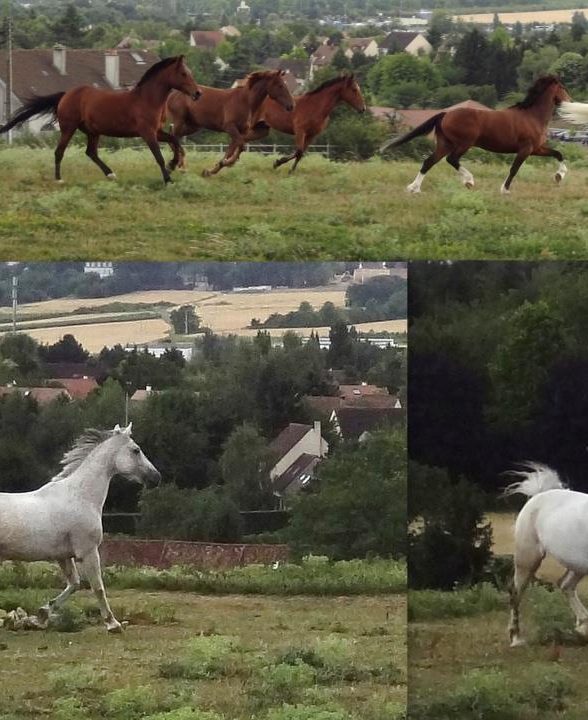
<point>520,129</point>
<point>311,114</point>
<point>234,111</point>
<point>116,113</point>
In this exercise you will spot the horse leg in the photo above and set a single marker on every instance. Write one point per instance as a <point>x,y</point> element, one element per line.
<point>441,150</point>
<point>569,584</point>
<point>151,140</point>
<point>72,577</point>
<point>66,136</point>
<point>466,176</point>
<point>545,151</point>
<point>286,159</point>
<point>92,153</point>
<point>522,155</point>
<point>231,156</point>
<point>93,573</point>
<point>174,143</point>
<point>525,568</point>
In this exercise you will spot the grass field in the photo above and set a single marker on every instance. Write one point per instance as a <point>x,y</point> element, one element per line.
<point>327,210</point>
<point>230,655</point>
<point>524,17</point>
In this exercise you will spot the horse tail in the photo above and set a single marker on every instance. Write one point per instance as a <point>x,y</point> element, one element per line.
<point>37,105</point>
<point>423,129</point>
<point>574,112</point>
<point>535,479</point>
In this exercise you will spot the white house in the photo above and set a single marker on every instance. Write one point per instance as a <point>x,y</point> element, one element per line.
<point>102,269</point>
<point>414,43</point>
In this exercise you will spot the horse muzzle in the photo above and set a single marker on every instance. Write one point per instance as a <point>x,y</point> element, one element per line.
<point>153,479</point>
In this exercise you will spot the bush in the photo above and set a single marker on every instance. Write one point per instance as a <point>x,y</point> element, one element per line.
<point>438,605</point>
<point>185,514</point>
<point>307,712</point>
<point>282,683</point>
<point>550,616</point>
<point>130,703</point>
<point>207,657</point>
<point>451,543</point>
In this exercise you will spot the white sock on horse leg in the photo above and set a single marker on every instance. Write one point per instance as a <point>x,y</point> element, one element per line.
<point>466,176</point>
<point>415,185</point>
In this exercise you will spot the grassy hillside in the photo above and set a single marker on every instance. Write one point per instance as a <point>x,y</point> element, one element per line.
<point>327,210</point>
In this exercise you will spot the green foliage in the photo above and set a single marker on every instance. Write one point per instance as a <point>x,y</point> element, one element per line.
<point>207,657</point>
<point>426,605</point>
<point>245,465</point>
<point>451,543</point>
<point>307,712</point>
<point>130,703</point>
<point>359,508</point>
<point>184,320</point>
<point>183,514</point>
<point>550,617</point>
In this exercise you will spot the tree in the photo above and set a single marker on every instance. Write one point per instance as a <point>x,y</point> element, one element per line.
<point>69,27</point>
<point>22,350</point>
<point>579,25</point>
<point>66,350</point>
<point>105,407</point>
<point>359,506</point>
<point>184,320</point>
<point>245,465</point>
<point>341,350</point>
<point>570,68</point>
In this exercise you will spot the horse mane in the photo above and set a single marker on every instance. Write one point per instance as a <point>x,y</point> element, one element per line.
<point>328,83</point>
<point>536,91</point>
<point>257,76</point>
<point>82,447</point>
<point>155,69</point>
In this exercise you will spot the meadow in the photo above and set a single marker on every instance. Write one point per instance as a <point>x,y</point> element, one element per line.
<point>326,210</point>
<point>200,656</point>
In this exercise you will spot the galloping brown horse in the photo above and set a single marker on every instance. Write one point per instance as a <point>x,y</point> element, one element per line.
<point>234,111</point>
<point>116,113</point>
<point>311,114</point>
<point>520,129</point>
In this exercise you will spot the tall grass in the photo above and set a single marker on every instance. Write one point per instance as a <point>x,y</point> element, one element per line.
<point>312,577</point>
<point>437,605</point>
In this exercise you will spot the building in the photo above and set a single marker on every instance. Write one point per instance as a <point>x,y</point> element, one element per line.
<point>362,46</point>
<point>103,269</point>
<point>363,395</point>
<point>159,349</point>
<point>140,395</point>
<point>356,424</point>
<point>41,395</point>
<point>413,117</point>
<point>297,72</point>
<point>366,271</point>
<point>78,388</point>
<point>297,451</point>
<point>414,43</point>
<point>322,57</point>
<point>206,39</point>
<point>47,71</point>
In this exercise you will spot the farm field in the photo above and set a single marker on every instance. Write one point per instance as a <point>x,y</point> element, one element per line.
<point>231,646</point>
<point>533,16</point>
<point>326,210</point>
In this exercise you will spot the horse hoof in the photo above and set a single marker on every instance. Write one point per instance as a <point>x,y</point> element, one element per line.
<point>504,191</point>
<point>412,189</point>
<point>517,642</point>
<point>114,627</point>
<point>469,185</point>
<point>206,173</point>
<point>558,177</point>
<point>60,182</point>
<point>111,176</point>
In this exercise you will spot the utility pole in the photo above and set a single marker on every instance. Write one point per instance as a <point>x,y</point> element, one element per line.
<point>9,74</point>
<point>14,301</point>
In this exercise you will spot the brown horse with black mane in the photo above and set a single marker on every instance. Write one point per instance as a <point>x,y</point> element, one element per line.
<point>234,111</point>
<point>116,113</point>
<point>312,112</point>
<point>520,129</point>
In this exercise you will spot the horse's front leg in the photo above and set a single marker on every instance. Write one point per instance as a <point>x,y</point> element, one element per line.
<point>545,151</point>
<point>93,573</point>
<point>522,155</point>
<point>150,137</point>
<point>73,584</point>
<point>175,145</point>
<point>569,584</point>
<point>232,155</point>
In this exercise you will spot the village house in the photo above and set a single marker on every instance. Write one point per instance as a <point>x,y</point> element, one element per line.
<point>364,395</point>
<point>296,451</point>
<point>47,71</point>
<point>362,46</point>
<point>41,395</point>
<point>356,423</point>
<point>77,388</point>
<point>297,72</point>
<point>322,57</point>
<point>414,43</point>
<point>409,118</point>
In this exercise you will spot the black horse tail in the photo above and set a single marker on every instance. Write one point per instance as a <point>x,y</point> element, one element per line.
<point>38,105</point>
<point>423,129</point>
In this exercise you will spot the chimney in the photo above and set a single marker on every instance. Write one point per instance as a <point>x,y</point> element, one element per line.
<point>59,58</point>
<point>112,68</point>
<point>317,432</point>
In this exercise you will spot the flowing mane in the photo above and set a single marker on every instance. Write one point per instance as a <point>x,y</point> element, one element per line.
<point>536,91</point>
<point>82,447</point>
<point>253,78</point>
<point>155,69</point>
<point>329,83</point>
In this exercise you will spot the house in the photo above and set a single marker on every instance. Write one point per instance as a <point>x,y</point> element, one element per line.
<point>362,46</point>
<point>159,349</point>
<point>413,117</point>
<point>364,395</point>
<point>47,71</point>
<point>414,43</point>
<point>103,269</point>
<point>42,395</point>
<point>354,423</point>
<point>77,388</point>
<point>366,271</point>
<point>296,451</point>
<point>230,31</point>
<point>297,72</point>
<point>140,395</point>
<point>322,57</point>
<point>206,39</point>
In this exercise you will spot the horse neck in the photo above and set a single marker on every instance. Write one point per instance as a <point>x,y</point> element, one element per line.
<point>154,91</point>
<point>328,99</point>
<point>543,109</point>
<point>92,478</point>
<point>256,95</point>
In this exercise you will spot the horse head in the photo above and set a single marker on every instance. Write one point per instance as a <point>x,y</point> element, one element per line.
<point>560,92</point>
<point>130,461</point>
<point>351,94</point>
<point>277,89</point>
<point>181,78</point>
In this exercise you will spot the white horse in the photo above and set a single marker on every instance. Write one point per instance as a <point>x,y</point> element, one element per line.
<point>553,522</point>
<point>62,520</point>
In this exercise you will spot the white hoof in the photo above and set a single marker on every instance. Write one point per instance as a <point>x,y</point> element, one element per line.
<point>60,182</point>
<point>111,176</point>
<point>504,190</point>
<point>517,642</point>
<point>114,627</point>
<point>413,188</point>
<point>469,184</point>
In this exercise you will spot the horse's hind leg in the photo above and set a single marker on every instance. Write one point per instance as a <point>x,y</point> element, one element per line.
<point>569,584</point>
<point>514,168</point>
<point>66,136</point>
<point>93,573</point>
<point>523,575</point>
<point>92,153</point>
<point>454,159</point>
<point>441,150</point>
<point>177,149</point>
<point>73,584</point>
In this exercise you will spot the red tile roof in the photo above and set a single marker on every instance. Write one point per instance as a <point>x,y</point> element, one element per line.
<point>207,39</point>
<point>78,388</point>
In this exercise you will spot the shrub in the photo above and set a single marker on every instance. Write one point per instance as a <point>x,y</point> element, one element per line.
<point>69,680</point>
<point>207,657</point>
<point>307,712</point>
<point>281,683</point>
<point>130,703</point>
<point>437,605</point>
<point>68,709</point>
<point>550,616</point>
<point>186,713</point>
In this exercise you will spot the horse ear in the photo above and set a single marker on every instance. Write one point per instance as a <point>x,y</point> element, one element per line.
<point>127,430</point>
<point>117,429</point>
<point>181,59</point>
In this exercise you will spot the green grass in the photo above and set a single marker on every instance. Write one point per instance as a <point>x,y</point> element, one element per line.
<point>213,658</point>
<point>461,665</point>
<point>327,210</point>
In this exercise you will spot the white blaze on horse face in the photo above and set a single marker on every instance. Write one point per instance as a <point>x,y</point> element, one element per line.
<point>415,185</point>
